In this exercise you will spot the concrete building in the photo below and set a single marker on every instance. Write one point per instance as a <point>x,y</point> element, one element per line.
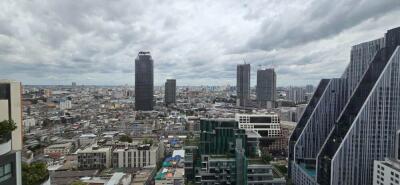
<point>65,104</point>
<point>170,92</point>
<point>144,82</point>
<point>58,149</point>
<point>243,84</point>
<point>11,144</point>
<point>135,156</point>
<point>86,139</point>
<point>94,157</point>
<point>267,125</point>
<point>387,172</point>
<point>350,121</point>
<point>266,88</point>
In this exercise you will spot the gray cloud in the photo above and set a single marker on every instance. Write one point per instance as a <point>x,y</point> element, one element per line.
<point>321,20</point>
<point>197,42</point>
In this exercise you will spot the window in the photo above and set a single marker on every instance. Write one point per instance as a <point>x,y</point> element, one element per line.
<point>5,172</point>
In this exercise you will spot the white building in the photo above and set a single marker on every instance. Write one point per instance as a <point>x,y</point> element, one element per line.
<point>65,104</point>
<point>267,125</point>
<point>386,172</point>
<point>58,149</point>
<point>135,156</point>
<point>28,123</point>
<point>11,144</point>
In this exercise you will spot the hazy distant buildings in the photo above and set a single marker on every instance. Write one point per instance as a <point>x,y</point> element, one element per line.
<point>297,94</point>
<point>170,91</point>
<point>351,121</point>
<point>11,144</point>
<point>144,83</point>
<point>243,84</point>
<point>266,88</point>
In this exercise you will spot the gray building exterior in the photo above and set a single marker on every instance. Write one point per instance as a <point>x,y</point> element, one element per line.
<point>243,84</point>
<point>170,91</point>
<point>350,121</point>
<point>144,81</point>
<point>266,88</point>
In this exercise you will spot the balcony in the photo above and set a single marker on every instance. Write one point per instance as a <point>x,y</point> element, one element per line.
<point>5,144</point>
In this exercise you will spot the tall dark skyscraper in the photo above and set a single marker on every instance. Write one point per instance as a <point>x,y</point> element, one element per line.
<point>266,88</point>
<point>144,81</point>
<point>350,121</point>
<point>170,91</point>
<point>243,84</point>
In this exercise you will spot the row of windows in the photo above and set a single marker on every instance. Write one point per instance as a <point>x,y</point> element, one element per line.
<point>5,172</point>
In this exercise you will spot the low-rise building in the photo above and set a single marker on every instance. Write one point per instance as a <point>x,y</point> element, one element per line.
<point>135,156</point>
<point>58,149</point>
<point>94,157</point>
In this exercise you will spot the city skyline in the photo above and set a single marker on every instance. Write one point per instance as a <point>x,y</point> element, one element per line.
<point>45,43</point>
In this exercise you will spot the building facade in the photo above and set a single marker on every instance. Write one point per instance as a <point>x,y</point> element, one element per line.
<point>11,144</point>
<point>266,88</point>
<point>170,92</point>
<point>267,125</point>
<point>135,156</point>
<point>144,82</point>
<point>94,157</point>
<point>243,84</point>
<point>351,121</point>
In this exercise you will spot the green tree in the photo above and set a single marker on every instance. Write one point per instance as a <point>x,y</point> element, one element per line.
<point>266,157</point>
<point>34,174</point>
<point>125,138</point>
<point>147,141</point>
<point>7,126</point>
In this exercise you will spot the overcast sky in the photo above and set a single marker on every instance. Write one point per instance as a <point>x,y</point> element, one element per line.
<point>197,42</point>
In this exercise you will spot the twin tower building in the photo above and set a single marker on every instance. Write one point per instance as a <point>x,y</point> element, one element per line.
<point>144,84</point>
<point>265,89</point>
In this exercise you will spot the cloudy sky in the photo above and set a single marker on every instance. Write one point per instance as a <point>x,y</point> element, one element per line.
<point>198,42</point>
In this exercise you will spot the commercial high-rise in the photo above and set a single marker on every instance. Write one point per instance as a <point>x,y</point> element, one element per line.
<point>144,81</point>
<point>266,88</point>
<point>170,91</point>
<point>243,84</point>
<point>350,121</point>
<point>10,144</point>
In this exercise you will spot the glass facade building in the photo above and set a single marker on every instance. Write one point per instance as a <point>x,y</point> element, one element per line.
<point>353,122</point>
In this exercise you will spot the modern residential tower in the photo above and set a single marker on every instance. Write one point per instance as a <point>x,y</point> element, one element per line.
<point>144,81</point>
<point>350,121</point>
<point>243,84</point>
<point>266,88</point>
<point>11,144</point>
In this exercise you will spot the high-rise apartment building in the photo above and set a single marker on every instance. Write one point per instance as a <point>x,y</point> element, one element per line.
<point>224,157</point>
<point>170,91</point>
<point>350,121</point>
<point>266,88</point>
<point>144,81</point>
<point>11,144</point>
<point>243,84</point>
